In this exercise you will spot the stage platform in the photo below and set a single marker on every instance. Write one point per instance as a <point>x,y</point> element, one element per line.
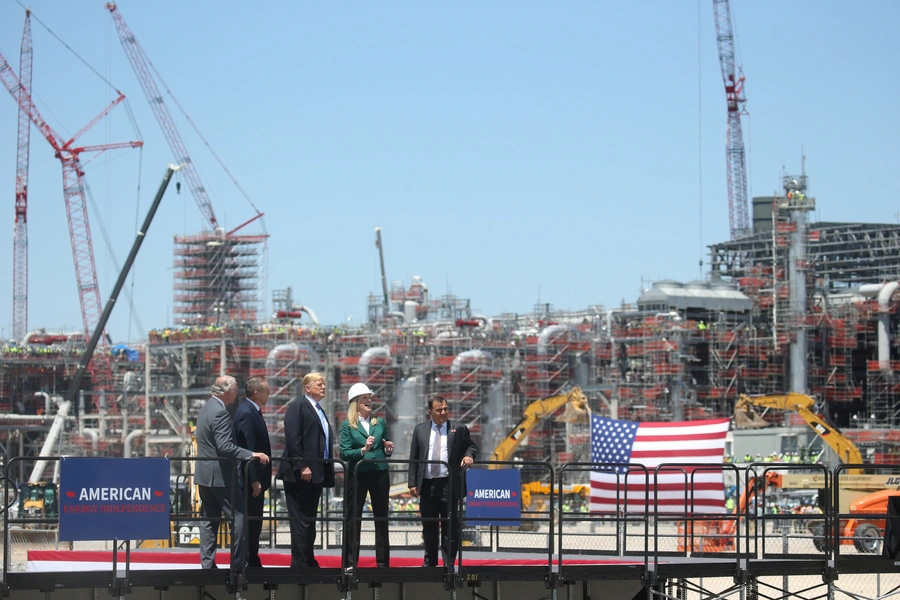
<point>176,574</point>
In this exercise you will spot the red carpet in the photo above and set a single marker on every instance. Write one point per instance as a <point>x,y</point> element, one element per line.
<point>100,560</point>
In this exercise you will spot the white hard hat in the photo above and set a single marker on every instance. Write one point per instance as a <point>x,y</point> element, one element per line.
<point>358,389</point>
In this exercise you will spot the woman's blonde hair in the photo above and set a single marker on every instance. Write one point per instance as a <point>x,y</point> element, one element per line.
<point>353,415</point>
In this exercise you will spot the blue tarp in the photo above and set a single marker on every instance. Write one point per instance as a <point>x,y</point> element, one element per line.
<point>130,353</point>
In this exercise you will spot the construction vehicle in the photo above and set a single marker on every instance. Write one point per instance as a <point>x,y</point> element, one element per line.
<point>535,495</point>
<point>577,411</point>
<point>803,405</point>
<point>865,529</point>
<point>38,501</point>
<point>718,535</point>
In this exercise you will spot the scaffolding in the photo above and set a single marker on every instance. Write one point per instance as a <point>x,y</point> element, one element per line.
<point>217,279</point>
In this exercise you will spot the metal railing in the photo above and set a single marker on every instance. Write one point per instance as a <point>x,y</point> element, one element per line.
<point>560,536</point>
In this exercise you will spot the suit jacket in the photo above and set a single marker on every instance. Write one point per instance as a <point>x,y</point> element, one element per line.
<point>353,440</point>
<point>305,438</point>
<point>215,438</point>
<point>459,444</point>
<point>253,435</point>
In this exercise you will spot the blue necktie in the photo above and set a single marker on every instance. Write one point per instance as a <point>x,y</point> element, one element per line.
<point>324,421</point>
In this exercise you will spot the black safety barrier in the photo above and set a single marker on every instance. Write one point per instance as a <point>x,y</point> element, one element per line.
<point>637,527</point>
<point>864,526</point>
<point>789,535</point>
<point>626,514</point>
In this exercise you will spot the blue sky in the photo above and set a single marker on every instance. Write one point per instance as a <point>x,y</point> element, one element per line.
<point>510,150</point>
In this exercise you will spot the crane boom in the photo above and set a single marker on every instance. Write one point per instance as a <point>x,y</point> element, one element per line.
<point>804,406</point>
<point>140,64</point>
<point>76,210</point>
<point>576,408</point>
<point>735,159</point>
<point>20,233</point>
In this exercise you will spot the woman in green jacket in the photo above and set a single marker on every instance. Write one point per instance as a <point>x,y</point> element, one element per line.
<point>364,435</point>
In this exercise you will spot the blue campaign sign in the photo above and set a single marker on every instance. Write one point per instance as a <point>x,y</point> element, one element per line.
<point>493,497</point>
<point>113,499</point>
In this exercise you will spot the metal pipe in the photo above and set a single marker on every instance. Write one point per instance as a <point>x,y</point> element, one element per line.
<point>884,325</point>
<point>46,401</point>
<point>150,439</point>
<point>129,439</point>
<point>95,438</point>
<point>312,315</point>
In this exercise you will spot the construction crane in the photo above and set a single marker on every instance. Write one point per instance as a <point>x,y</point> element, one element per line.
<point>20,233</point>
<point>738,215</point>
<point>76,208</point>
<point>141,66</point>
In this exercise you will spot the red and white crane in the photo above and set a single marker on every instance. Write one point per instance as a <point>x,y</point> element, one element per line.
<point>20,233</point>
<point>141,66</point>
<point>76,209</point>
<point>738,213</point>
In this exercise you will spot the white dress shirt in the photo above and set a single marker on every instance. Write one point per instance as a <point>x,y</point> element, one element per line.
<point>441,436</point>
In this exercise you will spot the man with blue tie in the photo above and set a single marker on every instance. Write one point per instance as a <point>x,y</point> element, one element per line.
<point>307,435</point>
<point>252,434</point>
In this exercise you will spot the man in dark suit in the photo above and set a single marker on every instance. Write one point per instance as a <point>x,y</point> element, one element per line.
<point>253,435</point>
<point>307,435</point>
<point>216,479</point>
<point>438,488</point>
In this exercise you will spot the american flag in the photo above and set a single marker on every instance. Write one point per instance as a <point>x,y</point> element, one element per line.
<point>652,444</point>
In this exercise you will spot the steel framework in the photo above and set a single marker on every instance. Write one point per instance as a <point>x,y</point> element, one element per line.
<point>20,234</point>
<point>141,65</point>
<point>844,254</point>
<point>76,208</point>
<point>738,216</point>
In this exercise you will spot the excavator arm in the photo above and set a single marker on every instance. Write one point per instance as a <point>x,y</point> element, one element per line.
<point>576,410</point>
<point>804,406</point>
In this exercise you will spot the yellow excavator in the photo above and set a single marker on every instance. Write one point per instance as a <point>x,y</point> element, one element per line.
<point>746,417</point>
<point>577,411</point>
<point>861,493</point>
<point>535,493</point>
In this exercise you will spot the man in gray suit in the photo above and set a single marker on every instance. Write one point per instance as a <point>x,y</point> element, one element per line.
<point>214,478</point>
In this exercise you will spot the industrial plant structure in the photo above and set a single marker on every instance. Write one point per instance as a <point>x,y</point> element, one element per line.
<point>789,305</point>
<point>793,304</point>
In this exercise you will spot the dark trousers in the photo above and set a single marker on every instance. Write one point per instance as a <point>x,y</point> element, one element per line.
<point>302,504</point>
<point>216,501</point>
<point>377,485</point>
<point>436,501</point>
<point>254,526</point>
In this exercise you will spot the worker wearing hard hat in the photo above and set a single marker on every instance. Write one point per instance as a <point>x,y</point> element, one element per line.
<point>365,436</point>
